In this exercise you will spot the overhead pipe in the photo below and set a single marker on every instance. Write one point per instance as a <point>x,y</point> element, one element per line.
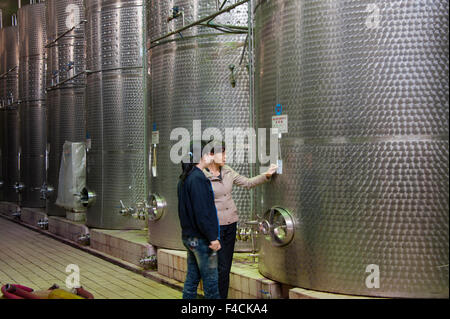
<point>210,17</point>
<point>64,33</point>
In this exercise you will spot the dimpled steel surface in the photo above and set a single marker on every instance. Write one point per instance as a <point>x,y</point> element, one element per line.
<point>13,135</point>
<point>32,109</point>
<point>9,90</point>
<point>3,155</point>
<point>365,159</point>
<point>116,111</point>
<point>9,86</point>
<point>63,15</point>
<point>190,80</point>
<point>9,61</point>
<point>65,102</point>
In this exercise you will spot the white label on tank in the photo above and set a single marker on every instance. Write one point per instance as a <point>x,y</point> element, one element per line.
<point>73,17</point>
<point>280,122</point>
<point>280,167</point>
<point>155,137</point>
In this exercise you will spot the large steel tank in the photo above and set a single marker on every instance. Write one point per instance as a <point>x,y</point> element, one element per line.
<point>3,147</point>
<point>361,206</point>
<point>9,87</point>
<point>116,112</point>
<point>200,74</point>
<point>32,109</point>
<point>66,63</point>
<point>3,139</point>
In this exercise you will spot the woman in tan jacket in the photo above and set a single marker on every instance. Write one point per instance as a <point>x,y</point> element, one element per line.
<point>223,178</point>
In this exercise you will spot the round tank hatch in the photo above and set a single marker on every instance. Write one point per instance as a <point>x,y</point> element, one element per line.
<point>278,226</point>
<point>157,206</point>
<point>87,198</point>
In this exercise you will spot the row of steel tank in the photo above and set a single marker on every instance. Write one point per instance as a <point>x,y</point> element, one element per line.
<point>364,181</point>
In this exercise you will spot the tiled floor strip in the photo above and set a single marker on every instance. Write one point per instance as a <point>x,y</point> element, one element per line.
<point>35,260</point>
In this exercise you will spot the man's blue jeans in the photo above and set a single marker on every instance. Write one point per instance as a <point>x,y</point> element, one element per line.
<point>201,263</point>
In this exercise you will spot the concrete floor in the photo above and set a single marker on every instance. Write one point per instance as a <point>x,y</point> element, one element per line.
<point>37,261</point>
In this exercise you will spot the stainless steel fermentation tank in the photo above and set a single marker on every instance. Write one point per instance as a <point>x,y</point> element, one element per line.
<point>32,109</point>
<point>361,206</point>
<point>116,112</point>
<point>65,82</point>
<point>9,87</point>
<point>195,75</point>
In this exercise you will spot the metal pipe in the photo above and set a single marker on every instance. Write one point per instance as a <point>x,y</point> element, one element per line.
<point>252,121</point>
<point>64,33</point>
<point>1,18</point>
<point>228,26</point>
<point>66,80</point>
<point>7,72</point>
<point>212,16</point>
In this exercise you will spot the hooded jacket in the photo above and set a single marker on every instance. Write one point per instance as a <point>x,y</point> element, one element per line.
<point>196,209</point>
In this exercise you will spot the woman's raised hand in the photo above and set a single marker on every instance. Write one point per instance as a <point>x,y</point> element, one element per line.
<point>271,170</point>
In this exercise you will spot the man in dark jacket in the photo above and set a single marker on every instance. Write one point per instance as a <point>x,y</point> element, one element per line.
<point>199,227</point>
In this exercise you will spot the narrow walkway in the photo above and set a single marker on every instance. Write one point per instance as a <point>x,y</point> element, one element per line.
<point>37,261</point>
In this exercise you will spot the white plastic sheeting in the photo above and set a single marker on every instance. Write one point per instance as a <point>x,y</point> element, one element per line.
<point>72,176</point>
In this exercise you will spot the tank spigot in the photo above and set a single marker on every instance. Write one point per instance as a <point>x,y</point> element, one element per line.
<point>46,191</point>
<point>43,223</point>
<point>149,261</point>
<point>142,210</point>
<point>84,239</point>
<point>125,211</point>
<point>19,187</point>
<point>264,227</point>
<point>17,213</point>
<point>244,233</point>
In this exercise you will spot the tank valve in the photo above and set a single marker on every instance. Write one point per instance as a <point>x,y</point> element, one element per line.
<point>125,211</point>
<point>244,233</point>
<point>264,227</point>
<point>43,223</point>
<point>142,211</point>
<point>19,187</point>
<point>149,261</point>
<point>176,12</point>
<point>17,213</point>
<point>84,239</point>
<point>157,207</point>
<point>46,191</point>
<point>86,198</point>
<point>232,76</point>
